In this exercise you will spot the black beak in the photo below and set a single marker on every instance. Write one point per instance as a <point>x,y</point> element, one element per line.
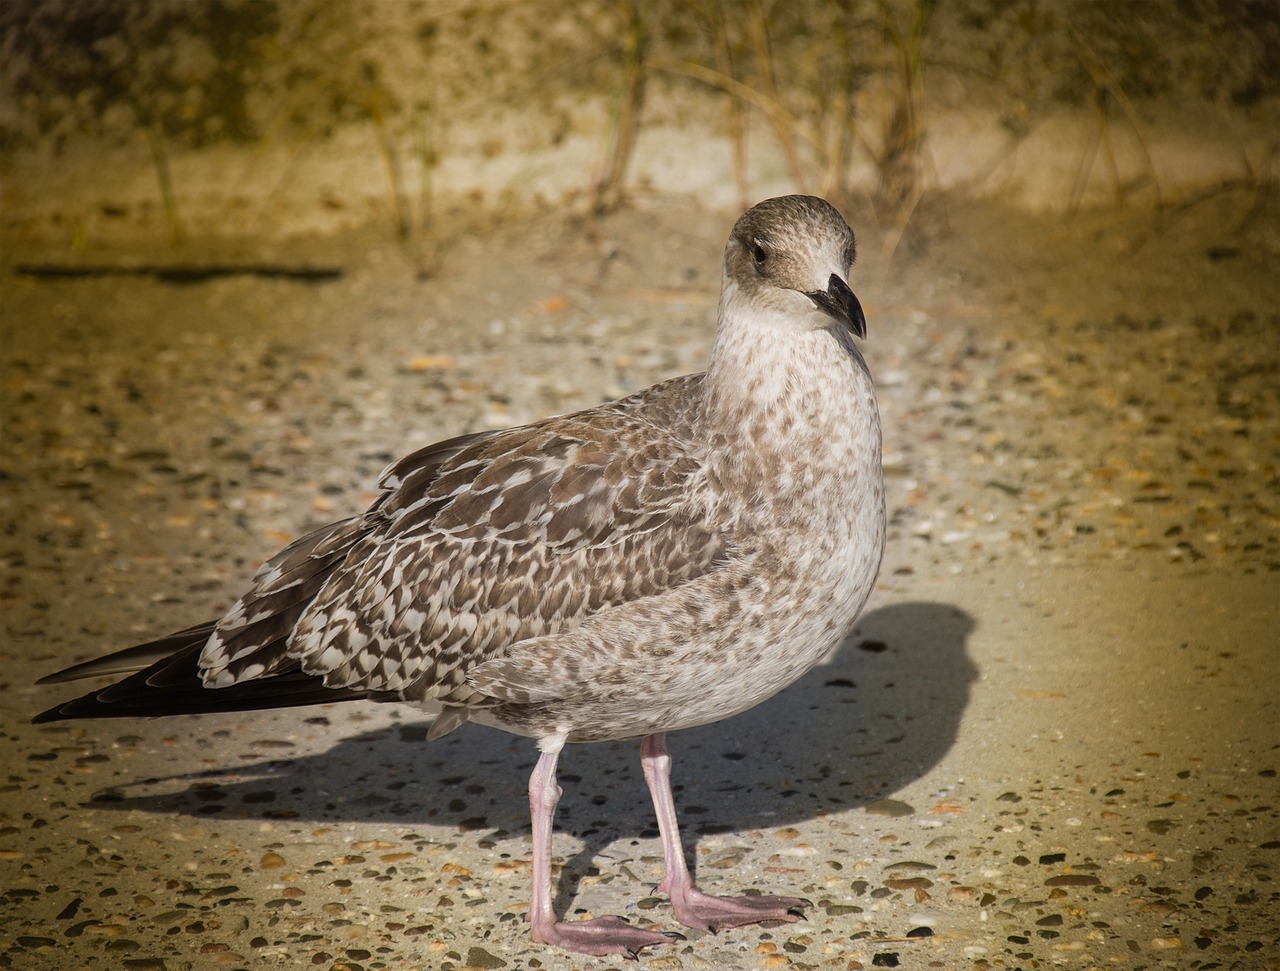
<point>838,301</point>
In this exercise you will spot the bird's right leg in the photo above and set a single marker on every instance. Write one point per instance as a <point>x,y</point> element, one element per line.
<point>693,907</point>
<point>600,936</point>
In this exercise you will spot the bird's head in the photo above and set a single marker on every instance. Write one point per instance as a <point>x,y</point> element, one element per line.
<point>790,256</point>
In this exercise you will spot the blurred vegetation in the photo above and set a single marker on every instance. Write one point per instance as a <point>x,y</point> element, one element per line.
<point>100,67</point>
<point>832,82</point>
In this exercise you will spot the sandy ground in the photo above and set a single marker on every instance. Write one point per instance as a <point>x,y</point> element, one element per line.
<point>1052,742</point>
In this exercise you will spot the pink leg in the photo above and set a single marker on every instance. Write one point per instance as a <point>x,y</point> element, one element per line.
<point>693,907</point>
<point>601,936</point>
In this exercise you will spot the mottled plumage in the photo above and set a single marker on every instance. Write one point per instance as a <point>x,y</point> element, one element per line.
<point>659,562</point>
<point>473,547</point>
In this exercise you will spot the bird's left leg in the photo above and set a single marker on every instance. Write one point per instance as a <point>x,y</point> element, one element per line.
<point>600,936</point>
<point>693,908</point>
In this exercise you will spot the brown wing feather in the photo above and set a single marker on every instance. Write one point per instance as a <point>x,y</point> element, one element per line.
<point>477,544</point>
<point>252,637</point>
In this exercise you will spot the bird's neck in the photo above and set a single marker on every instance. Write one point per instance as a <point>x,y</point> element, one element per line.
<point>792,405</point>
<point>764,378</point>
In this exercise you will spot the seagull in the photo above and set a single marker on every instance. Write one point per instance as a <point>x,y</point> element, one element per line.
<point>655,563</point>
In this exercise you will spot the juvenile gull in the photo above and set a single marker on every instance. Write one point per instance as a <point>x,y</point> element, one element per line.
<point>655,563</point>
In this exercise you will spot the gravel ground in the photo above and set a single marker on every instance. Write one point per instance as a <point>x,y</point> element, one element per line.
<point>1053,741</point>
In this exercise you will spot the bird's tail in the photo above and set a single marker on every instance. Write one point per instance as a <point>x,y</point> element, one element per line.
<point>164,679</point>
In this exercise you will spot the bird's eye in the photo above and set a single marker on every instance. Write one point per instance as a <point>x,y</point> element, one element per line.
<point>759,254</point>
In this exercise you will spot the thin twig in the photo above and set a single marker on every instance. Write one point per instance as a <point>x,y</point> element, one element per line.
<point>783,122</point>
<point>750,95</point>
<point>607,193</point>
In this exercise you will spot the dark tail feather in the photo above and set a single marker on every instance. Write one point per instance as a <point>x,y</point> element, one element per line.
<point>167,682</point>
<point>132,658</point>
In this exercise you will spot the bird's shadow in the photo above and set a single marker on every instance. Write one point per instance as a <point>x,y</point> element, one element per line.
<point>878,714</point>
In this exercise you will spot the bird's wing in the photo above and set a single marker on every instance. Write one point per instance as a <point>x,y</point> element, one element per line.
<point>478,544</point>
